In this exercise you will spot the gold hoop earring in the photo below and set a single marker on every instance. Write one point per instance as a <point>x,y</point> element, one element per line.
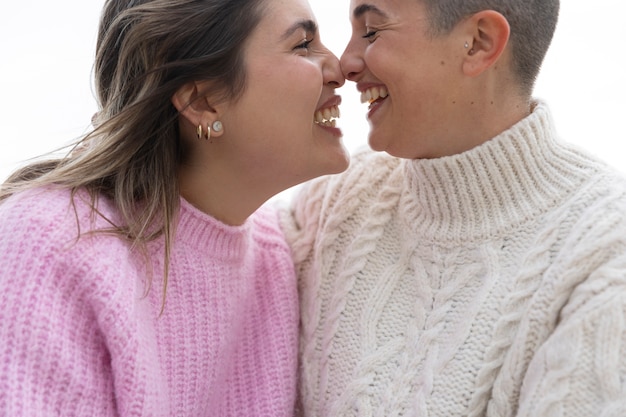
<point>200,132</point>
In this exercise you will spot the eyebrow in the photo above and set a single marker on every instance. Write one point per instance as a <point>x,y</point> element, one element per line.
<point>364,8</point>
<point>308,25</point>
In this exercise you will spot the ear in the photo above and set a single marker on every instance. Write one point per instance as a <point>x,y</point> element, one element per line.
<point>193,106</point>
<point>185,99</point>
<point>489,31</point>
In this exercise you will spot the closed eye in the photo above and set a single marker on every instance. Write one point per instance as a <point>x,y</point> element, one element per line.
<point>370,35</point>
<point>305,44</point>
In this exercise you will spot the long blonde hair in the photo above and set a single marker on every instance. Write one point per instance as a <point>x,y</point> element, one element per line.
<point>146,50</point>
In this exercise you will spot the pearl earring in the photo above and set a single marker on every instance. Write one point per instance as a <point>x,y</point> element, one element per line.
<point>217,126</point>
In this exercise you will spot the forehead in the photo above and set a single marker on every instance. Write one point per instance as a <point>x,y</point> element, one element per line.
<point>383,8</point>
<point>280,13</point>
<point>281,22</point>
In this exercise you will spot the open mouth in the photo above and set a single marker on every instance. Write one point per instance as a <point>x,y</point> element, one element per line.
<point>374,94</point>
<point>327,117</point>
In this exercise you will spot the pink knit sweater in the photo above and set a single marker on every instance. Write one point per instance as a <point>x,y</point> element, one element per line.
<point>79,338</point>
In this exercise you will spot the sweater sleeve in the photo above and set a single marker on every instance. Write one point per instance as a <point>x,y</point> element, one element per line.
<point>581,368</point>
<point>52,356</point>
<point>61,318</point>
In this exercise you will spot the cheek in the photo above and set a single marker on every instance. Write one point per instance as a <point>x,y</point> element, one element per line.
<point>392,61</point>
<point>299,93</point>
<point>284,114</point>
<point>386,66</point>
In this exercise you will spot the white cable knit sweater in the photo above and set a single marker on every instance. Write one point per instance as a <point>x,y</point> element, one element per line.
<point>490,283</point>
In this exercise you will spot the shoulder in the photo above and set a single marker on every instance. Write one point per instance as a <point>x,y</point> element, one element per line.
<point>55,214</point>
<point>37,202</point>
<point>55,206</point>
<point>47,254</point>
<point>266,228</point>
<point>46,233</point>
<point>368,174</point>
<point>42,213</point>
<point>325,203</point>
<point>600,200</point>
<point>592,228</point>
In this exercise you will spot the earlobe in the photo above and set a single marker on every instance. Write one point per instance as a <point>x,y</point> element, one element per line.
<point>489,31</point>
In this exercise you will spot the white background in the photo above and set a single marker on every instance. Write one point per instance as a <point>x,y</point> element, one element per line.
<point>46,54</point>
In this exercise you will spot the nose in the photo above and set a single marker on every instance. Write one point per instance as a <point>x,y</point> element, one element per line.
<point>351,62</point>
<point>332,71</point>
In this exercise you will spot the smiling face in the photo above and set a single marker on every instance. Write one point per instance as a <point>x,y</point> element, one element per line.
<point>413,81</point>
<point>282,130</point>
<point>278,132</point>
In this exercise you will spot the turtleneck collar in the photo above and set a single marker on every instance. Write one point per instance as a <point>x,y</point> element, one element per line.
<point>496,186</point>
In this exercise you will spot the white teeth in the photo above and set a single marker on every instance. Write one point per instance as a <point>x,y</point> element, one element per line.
<point>327,117</point>
<point>366,96</point>
<point>372,94</point>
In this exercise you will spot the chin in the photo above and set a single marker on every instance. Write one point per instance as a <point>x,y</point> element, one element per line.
<point>376,143</point>
<point>341,161</point>
<point>399,147</point>
<point>334,163</point>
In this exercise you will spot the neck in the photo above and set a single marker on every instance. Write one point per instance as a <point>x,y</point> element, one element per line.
<point>494,111</point>
<point>494,188</point>
<point>491,103</point>
<point>221,193</point>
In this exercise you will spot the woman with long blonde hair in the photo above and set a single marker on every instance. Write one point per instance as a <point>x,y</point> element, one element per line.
<point>142,274</point>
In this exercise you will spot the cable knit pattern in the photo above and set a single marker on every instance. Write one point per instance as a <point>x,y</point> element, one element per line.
<point>78,336</point>
<point>489,283</point>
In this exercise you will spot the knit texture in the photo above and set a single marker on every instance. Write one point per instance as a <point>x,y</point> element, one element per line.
<point>78,336</point>
<point>489,283</point>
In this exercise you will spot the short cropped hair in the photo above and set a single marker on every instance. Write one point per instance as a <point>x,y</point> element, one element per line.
<point>532,23</point>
